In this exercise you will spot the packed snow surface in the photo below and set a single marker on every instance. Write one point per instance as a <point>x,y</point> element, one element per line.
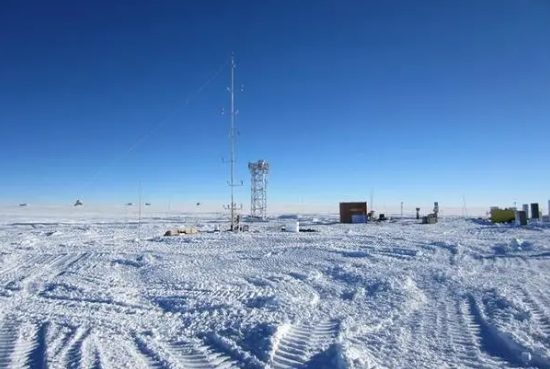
<point>95,293</point>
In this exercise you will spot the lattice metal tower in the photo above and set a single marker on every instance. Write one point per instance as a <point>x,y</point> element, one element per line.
<point>258,188</point>
<point>232,207</point>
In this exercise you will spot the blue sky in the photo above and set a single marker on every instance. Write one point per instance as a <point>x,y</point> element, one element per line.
<point>419,100</point>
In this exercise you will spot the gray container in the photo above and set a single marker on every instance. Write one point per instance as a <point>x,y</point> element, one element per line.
<point>526,210</point>
<point>535,214</point>
<point>522,217</point>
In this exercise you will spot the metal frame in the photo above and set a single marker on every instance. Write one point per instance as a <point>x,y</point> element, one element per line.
<point>258,189</point>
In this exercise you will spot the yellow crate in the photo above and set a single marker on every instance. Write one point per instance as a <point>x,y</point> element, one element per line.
<point>502,215</point>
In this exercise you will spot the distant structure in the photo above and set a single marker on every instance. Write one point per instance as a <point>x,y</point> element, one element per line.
<point>353,212</point>
<point>232,207</point>
<point>526,209</point>
<point>258,189</point>
<point>499,215</point>
<point>465,208</point>
<point>521,218</point>
<point>535,213</point>
<point>433,217</point>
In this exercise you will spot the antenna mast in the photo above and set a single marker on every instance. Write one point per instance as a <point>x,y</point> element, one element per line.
<point>232,137</point>
<point>465,208</point>
<point>139,214</point>
<point>371,199</point>
<point>233,113</point>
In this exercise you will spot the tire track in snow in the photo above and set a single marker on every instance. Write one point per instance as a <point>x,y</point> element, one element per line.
<point>464,336</point>
<point>82,257</point>
<point>469,338</point>
<point>86,353</point>
<point>290,292</point>
<point>73,357</point>
<point>58,339</point>
<point>8,341</point>
<point>41,271</point>
<point>402,254</point>
<point>91,266</point>
<point>538,310</point>
<point>92,357</point>
<point>152,356</point>
<point>22,346</point>
<point>385,347</point>
<point>182,354</point>
<point>500,344</point>
<point>38,356</point>
<point>192,356</point>
<point>541,296</point>
<point>449,326</point>
<point>120,293</point>
<point>517,263</point>
<point>13,276</point>
<point>16,265</point>
<point>58,265</point>
<point>299,291</point>
<point>81,351</point>
<point>36,275</point>
<point>228,295</point>
<point>223,293</point>
<point>296,344</point>
<point>540,269</point>
<point>446,327</point>
<point>119,353</point>
<point>431,331</point>
<point>44,266</point>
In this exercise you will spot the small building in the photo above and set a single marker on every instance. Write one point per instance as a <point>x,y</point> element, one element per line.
<point>535,213</point>
<point>430,219</point>
<point>353,212</point>
<point>502,215</point>
<point>521,218</point>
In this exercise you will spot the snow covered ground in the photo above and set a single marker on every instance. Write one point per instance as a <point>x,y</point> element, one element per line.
<point>82,291</point>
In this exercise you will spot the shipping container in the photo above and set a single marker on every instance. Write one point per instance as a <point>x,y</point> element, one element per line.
<point>349,209</point>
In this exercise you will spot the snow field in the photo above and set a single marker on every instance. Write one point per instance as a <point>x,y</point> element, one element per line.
<point>77,293</point>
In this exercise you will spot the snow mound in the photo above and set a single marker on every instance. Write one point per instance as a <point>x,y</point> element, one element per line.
<point>515,245</point>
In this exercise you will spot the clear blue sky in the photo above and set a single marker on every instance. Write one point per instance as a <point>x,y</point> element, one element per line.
<point>420,100</point>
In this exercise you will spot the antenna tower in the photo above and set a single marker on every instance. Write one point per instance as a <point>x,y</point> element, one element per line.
<point>371,199</point>
<point>233,113</point>
<point>258,189</point>
<point>465,208</point>
<point>139,214</point>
